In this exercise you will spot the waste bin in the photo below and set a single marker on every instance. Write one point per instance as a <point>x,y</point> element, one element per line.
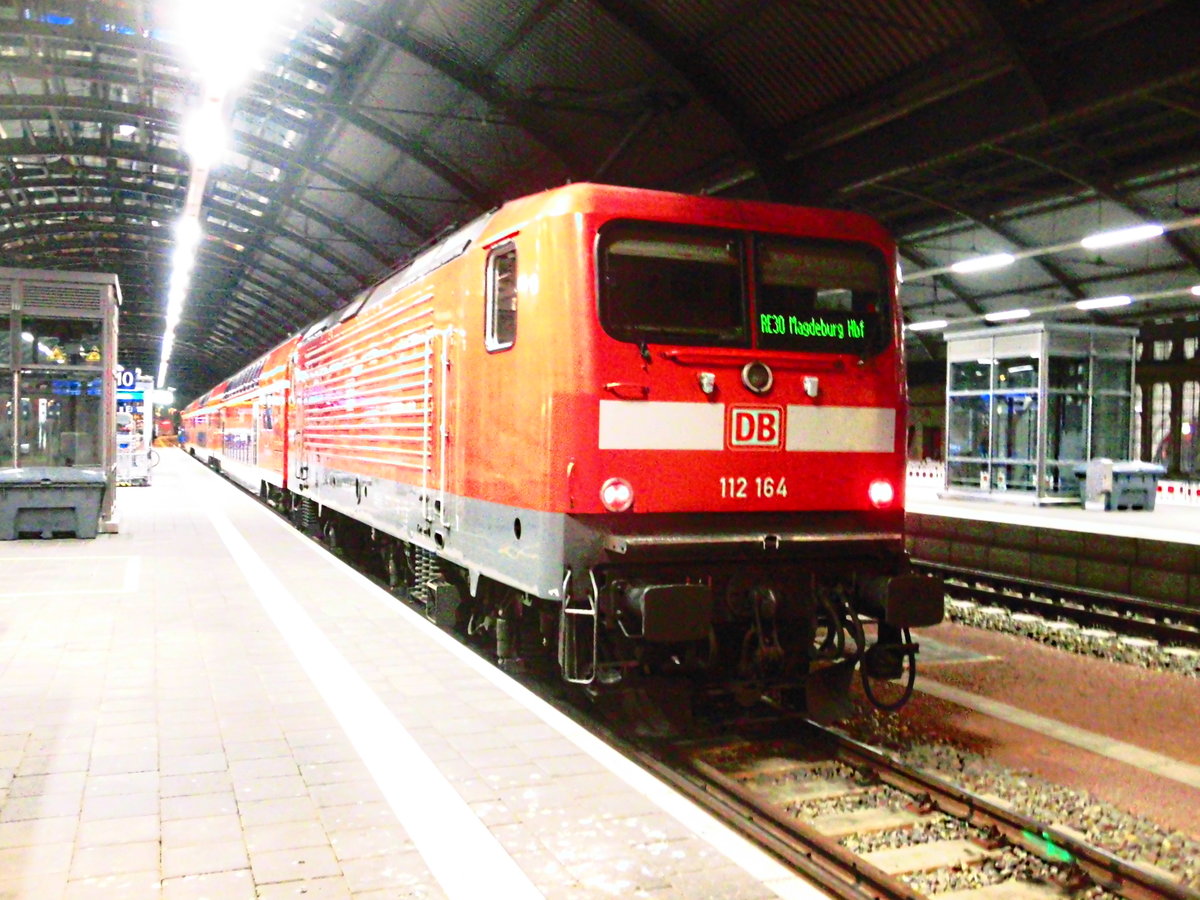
<point>49,500</point>
<point>1104,484</point>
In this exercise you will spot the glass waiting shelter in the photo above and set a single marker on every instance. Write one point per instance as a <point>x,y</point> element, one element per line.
<point>57,361</point>
<point>1027,403</point>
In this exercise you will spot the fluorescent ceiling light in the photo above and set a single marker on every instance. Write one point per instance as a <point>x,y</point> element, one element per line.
<point>930,325</point>
<point>1121,236</point>
<point>1025,368</point>
<point>1005,314</point>
<point>1104,302</point>
<point>983,263</point>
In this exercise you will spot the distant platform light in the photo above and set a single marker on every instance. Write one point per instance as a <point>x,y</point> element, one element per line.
<point>1005,315</point>
<point>983,263</point>
<point>1121,236</point>
<point>1104,302</point>
<point>930,325</point>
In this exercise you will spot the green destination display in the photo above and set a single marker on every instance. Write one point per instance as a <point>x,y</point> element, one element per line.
<point>771,323</point>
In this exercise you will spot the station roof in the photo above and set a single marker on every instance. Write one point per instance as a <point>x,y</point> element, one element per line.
<point>969,127</point>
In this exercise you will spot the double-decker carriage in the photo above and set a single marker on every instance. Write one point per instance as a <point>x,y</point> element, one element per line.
<point>625,433</point>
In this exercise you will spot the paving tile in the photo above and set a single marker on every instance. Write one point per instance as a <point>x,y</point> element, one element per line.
<point>196,783</point>
<point>119,806</point>
<point>242,750</point>
<point>216,886</point>
<point>110,887</point>
<point>397,872</point>
<point>201,830</point>
<point>355,843</point>
<point>193,764</point>
<point>64,783</point>
<point>136,856</point>
<point>33,885</point>
<point>16,862</point>
<point>218,803</point>
<point>270,812</point>
<point>203,858</point>
<point>123,783</point>
<point>28,832</point>
<point>281,788</point>
<point>284,836</point>
<point>105,832</point>
<point>49,806</point>
<point>124,762</point>
<point>296,863</point>
<point>45,765</point>
<point>332,888</point>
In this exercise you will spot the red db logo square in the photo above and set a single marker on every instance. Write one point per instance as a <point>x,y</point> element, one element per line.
<point>755,427</point>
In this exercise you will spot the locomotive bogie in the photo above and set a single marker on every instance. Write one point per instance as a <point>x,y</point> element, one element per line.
<point>619,430</point>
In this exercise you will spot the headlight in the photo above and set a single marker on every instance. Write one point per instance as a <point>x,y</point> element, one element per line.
<point>616,494</point>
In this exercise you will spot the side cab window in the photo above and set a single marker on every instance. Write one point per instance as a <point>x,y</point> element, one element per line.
<point>501,297</point>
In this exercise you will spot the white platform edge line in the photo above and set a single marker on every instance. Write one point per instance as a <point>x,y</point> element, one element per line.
<point>438,820</point>
<point>1139,757</point>
<point>754,860</point>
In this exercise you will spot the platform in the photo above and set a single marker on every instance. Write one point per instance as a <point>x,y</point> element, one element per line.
<point>1177,523</point>
<point>210,705</point>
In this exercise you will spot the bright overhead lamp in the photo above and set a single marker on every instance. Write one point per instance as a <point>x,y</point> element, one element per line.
<point>983,263</point>
<point>1005,315</point>
<point>1104,302</point>
<point>205,139</point>
<point>1121,236</point>
<point>930,325</point>
<point>1196,289</point>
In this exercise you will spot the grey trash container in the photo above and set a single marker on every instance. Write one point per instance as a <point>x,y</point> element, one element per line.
<point>1120,485</point>
<point>49,500</point>
<point>1135,485</point>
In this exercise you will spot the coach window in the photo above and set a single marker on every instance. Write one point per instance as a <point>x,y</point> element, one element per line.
<point>502,297</point>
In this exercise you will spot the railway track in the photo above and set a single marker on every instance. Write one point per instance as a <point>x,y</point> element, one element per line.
<point>1166,623</point>
<point>862,825</point>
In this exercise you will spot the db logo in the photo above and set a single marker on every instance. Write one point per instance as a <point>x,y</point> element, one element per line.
<point>756,427</point>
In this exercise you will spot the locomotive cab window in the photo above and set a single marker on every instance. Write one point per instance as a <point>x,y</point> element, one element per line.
<point>821,297</point>
<point>502,298</point>
<point>671,285</point>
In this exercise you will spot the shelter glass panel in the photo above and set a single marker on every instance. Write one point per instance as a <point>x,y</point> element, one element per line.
<point>1016,373</point>
<point>1065,428</point>
<point>1111,375</point>
<point>60,342</point>
<point>975,375</point>
<point>59,421</point>
<point>1015,426</point>
<point>1068,374</point>
<point>969,427</point>
<point>1110,427</point>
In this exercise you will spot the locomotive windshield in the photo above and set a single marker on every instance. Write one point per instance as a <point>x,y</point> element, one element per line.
<point>678,285</point>
<point>672,285</point>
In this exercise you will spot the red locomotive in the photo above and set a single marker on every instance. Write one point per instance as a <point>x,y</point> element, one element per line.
<point>628,432</point>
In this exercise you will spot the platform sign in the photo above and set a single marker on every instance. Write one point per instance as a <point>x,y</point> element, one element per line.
<point>135,426</point>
